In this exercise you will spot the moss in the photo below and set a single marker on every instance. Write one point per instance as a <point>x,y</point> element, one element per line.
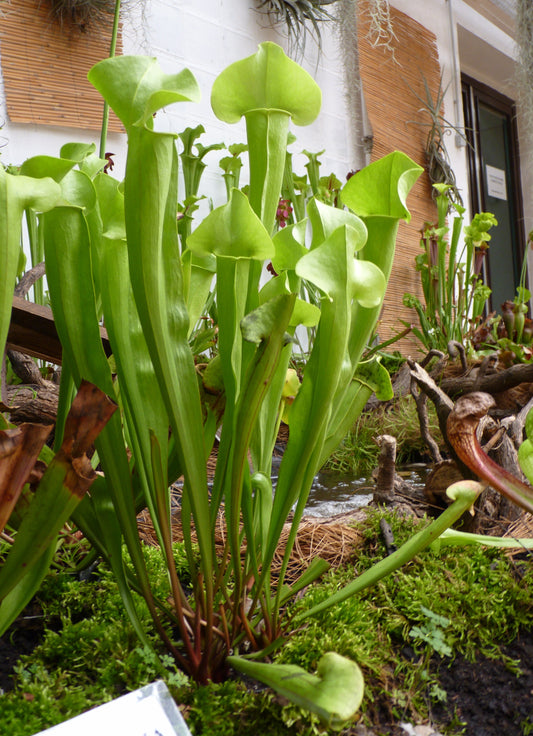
<point>94,656</point>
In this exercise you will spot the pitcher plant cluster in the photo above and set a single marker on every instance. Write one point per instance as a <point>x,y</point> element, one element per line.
<point>118,251</point>
<point>450,271</point>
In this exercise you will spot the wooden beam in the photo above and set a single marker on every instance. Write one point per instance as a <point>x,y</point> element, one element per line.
<point>33,331</point>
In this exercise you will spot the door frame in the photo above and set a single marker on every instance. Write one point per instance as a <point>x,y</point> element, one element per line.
<point>475,92</point>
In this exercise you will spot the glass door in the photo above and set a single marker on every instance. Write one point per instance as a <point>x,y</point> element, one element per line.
<point>495,184</point>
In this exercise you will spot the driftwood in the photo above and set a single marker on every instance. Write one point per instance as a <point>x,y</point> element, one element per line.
<point>420,399</point>
<point>386,472</point>
<point>36,399</point>
<point>35,404</point>
<point>492,383</point>
<point>32,330</point>
<point>442,402</point>
<point>23,366</point>
<point>499,440</point>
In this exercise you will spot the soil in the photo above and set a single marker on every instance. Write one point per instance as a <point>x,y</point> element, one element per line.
<point>492,697</point>
<point>487,697</point>
<point>21,638</point>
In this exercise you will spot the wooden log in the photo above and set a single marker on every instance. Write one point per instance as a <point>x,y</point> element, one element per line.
<point>488,384</point>
<point>384,490</point>
<point>35,404</point>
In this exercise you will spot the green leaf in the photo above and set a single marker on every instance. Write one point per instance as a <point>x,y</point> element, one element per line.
<point>525,457</point>
<point>17,193</point>
<point>335,270</point>
<point>42,166</point>
<point>453,536</point>
<point>304,313</point>
<point>111,207</point>
<point>78,190</point>
<point>232,231</point>
<point>259,324</point>
<point>266,80</point>
<point>198,274</point>
<point>135,87</point>
<point>77,151</point>
<point>267,88</point>
<point>382,187</point>
<point>334,693</point>
<point>21,594</point>
<point>377,194</point>
<point>64,483</point>
<point>289,244</point>
<point>463,495</point>
<point>378,377</point>
<point>326,219</point>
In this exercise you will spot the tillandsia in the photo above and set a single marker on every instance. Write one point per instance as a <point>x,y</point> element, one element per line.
<point>295,14</point>
<point>113,250</point>
<point>82,14</point>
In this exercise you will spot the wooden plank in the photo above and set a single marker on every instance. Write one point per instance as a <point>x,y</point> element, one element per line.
<point>33,331</point>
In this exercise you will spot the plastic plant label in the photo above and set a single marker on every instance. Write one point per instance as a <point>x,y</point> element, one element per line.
<point>149,711</point>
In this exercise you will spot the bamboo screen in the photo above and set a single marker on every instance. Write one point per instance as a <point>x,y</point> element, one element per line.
<point>390,82</point>
<point>45,65</point>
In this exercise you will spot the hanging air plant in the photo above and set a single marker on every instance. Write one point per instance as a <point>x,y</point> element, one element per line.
<point>296,14</point>
<point>82,14</point>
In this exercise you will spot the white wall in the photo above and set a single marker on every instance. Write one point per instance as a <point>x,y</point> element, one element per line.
<point>206,37</point>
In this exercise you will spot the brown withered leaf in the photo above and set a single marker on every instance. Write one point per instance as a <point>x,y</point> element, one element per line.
<point>19,450</point>
<point>88,415</point>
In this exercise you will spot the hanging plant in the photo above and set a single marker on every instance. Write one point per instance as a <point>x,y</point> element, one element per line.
<point>438,163</point>
<point>295,14</point>
<point>82,14</point>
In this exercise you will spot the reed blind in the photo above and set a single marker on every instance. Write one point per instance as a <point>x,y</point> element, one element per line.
<point>45,64</point>
<point>392,80</point>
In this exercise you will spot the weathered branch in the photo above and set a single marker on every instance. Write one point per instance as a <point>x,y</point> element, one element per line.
<point>34,404</point>
<point>490,384</point>
<point>457,349</point>
<point>517,427</point>
<point>29,278</point>
<point>443,403</point>
<point>420,399</point>
<point>24,367</point>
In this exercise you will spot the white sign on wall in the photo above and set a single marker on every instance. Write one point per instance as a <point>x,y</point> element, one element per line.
<point>150,711</point>
<point>496,185</point>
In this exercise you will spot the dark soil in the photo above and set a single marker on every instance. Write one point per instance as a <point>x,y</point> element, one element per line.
<point>491,697</point>
<point>21,638</point>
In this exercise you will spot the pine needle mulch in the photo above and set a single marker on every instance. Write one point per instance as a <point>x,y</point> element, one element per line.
<point>522,528</point>
<point>332,540</point>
